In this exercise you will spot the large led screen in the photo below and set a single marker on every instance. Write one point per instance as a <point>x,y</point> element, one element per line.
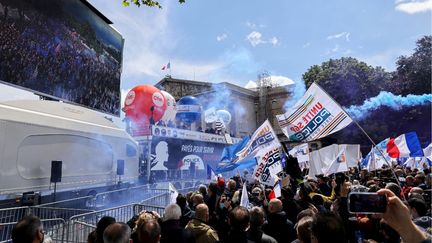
<point>61,49</point>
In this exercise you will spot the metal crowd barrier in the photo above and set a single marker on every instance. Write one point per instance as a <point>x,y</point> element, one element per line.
<point>107,199</point>
<point>184,191</point>
<point>49,213</point>
<point>81,225</point>
<point>8,215</point>
<point>54,229</point>
<point>125,196</point>
<point>74,225</point>
<point>161,200</point>
<point>54,220</point>
<point>79,202</point>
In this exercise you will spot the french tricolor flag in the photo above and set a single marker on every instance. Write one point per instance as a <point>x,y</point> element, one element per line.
<point>210,173</point>
<point>276,192</point>
<point>406,145</point>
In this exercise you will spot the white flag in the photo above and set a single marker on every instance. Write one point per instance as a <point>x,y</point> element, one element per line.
<point>353,154</point>
<point>314,116</point>
<point>375,161</point>
<point>244,202</point>
<point>301,152</point>
<point>339,163</point>
<point>264,137</point>
<point>328,160</point>
<point>269,165</point>
<point>173,193</point>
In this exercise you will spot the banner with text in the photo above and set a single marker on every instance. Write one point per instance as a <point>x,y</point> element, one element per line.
<point>314,116</point>
<point>179,154</point>
<point>269,165</point>
<point>263,137</point>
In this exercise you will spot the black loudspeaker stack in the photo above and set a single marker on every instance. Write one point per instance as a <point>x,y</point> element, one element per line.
<point>56,171</point>
<point>120,167</point>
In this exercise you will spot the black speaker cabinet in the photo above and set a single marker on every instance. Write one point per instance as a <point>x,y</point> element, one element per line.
<point>120,167</point>
<point>56,171</point>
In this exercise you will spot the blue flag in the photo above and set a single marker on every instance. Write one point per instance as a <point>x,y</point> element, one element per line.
<point>228,163</point>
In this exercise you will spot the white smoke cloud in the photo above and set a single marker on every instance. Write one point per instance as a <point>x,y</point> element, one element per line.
<point>339,35</point>
<point>414,7</point>
<point>275,81</point>
<point>221,37</point>
<point>255,38</point>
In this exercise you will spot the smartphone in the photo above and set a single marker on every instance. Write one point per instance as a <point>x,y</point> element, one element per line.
<point>366,203</point>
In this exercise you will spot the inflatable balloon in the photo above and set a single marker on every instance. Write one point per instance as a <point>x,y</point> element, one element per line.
<point>188,109</point>
<point>224,115</point>
<point>210,115</point>
<point>171,110</point>
<point>144,103</point>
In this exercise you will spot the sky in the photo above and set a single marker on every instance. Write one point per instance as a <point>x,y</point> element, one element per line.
<point>234,41</point>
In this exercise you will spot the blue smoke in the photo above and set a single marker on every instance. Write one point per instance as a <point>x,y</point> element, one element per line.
<point>297,90</point>
<point>387,99</point>
<point>222,99</point>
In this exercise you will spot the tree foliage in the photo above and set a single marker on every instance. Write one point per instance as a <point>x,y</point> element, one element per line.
<point>348,80</point>
<point>351,82</point>
<point>148,3</point>
<point>413,73</point>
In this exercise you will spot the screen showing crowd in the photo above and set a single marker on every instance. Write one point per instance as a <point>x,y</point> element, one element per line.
<point>61,49</point>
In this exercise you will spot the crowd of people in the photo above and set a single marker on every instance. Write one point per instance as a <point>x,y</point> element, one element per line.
<point>45,54</point>
<point>308,210</point>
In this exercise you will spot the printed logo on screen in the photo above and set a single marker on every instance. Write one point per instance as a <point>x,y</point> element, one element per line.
<point>158,99</point>
<point>130,97</point>
<point>192,158</point>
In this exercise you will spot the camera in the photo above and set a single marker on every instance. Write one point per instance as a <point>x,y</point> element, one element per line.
<point>366,203</point>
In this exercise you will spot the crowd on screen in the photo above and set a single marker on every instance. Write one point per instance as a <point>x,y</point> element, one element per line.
<point>42,53</point>
<point>307,210</point>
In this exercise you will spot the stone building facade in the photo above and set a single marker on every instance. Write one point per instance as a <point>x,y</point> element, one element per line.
<point>249,108</point>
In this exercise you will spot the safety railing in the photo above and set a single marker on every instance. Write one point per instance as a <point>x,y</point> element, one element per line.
<point>49,213</point>
<point>74,225</point>
<point>53,219</point>
<point>81,225</point>
<point>54,229</point>
<point>8,215</point>
<point>184,191</point>
<point>160,200</point>
<point>125,196</point>
<point>78,202</point>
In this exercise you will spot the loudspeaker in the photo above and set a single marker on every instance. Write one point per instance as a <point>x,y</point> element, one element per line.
<point>120,167</point>
<point>56,171</point>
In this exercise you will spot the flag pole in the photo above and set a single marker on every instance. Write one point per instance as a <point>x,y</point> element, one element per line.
<point>365,133</point>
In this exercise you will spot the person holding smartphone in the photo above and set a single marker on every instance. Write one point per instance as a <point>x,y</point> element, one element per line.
<point>397,216</point>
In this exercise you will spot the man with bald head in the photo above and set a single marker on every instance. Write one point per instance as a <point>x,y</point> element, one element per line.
<point>278,225</point>
<point>198,225</point>
<point>117,233</point>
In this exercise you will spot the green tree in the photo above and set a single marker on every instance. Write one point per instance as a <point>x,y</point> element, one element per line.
<point>148,3</point>
<point>347,80</point>
<point>413,73</point>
